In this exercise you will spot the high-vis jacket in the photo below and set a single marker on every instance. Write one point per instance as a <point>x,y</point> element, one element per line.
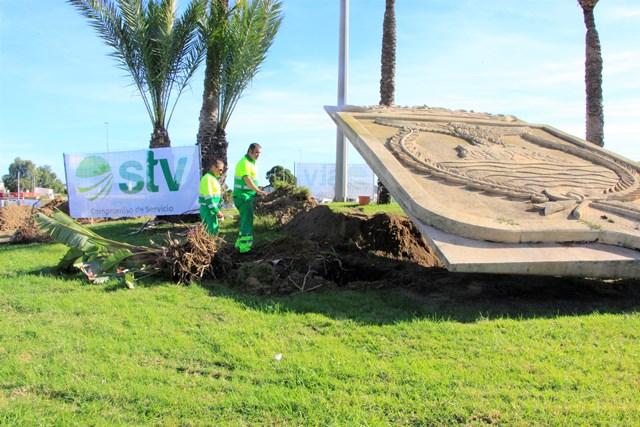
<point>245,167</point>
<point>210,192</point>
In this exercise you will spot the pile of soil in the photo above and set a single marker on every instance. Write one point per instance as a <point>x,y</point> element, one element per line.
<point>386,235</point>
<point>325,250</point>
<point>284,203</point>
<point>13,217</point>
<point>329,250</point>
<point>59,203</point>
<point>17,222</point>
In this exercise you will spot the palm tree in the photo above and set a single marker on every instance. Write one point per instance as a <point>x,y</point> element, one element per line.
<point>388,57</point>
<point>388,71</point>
<point>213,32</point>
<point>593,76</point>
<point>237,42</point>
<point>159,50</point>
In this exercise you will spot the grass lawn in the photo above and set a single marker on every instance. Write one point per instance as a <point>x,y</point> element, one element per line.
<point>72,353</point>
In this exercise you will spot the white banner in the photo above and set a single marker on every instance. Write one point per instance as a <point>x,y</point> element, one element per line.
<point>161,181</point>
<point>320,178</point>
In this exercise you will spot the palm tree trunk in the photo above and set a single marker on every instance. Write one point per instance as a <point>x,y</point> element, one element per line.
<point>159,137</point>
<point>593,77</point>
<point>388,59</point>
<point>387,74</point>
<point>216,149</point>
<point>208,123</point>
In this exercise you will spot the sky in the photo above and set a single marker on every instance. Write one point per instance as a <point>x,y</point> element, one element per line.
<point>60,92</point>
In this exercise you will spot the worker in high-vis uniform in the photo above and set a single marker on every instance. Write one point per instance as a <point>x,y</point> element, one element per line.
<point>245,188</point>
<point>210,197</point>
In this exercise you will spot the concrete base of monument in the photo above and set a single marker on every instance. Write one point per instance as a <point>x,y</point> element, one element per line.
<point>463,255</point>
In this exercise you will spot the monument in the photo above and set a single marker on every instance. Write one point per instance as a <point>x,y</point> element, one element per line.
<point>495,194</point>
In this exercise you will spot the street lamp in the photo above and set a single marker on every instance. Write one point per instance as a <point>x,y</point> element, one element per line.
<point>107,123</point>
<point>343,72</point>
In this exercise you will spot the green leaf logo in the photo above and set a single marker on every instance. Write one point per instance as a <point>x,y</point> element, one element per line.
<point>95,176</point>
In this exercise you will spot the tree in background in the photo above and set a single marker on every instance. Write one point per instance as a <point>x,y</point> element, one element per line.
<point>279,176</point>
<point>388,72</point>
<point>47,178</point>
<point>593,76</point>
<point>20,170</point>
<point>159,50</point>
<point>237,41</point>
<point>41,176</point>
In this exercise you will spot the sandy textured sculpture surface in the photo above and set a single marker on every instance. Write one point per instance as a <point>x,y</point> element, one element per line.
<point>496,178</point>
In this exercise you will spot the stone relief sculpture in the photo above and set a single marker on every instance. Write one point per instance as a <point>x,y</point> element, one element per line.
<point>497,178</point>
<point>512,161</point>
<point>493,193</point>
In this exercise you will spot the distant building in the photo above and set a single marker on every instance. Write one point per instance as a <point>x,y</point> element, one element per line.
<point>46,193</point>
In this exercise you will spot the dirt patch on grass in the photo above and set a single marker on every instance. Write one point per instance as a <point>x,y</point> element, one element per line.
<point>325,250</point>
<point>322,250</point>
<point>17,223</point>
<point>284,203</point>
<point>13,217</point>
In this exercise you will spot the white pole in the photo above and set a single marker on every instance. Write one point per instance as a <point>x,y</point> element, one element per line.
<point>343,72</point>
<point>297,166</point>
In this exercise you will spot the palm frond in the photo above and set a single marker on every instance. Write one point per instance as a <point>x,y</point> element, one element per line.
<point>62,224</point>
<point>151,44</point>
<point>250,34</point>
<point>63,233</point>
<point>213,31</point>
<point>114,259</point>
<point>71,258</point>
<point>97,257</point>
<point>101,259</point>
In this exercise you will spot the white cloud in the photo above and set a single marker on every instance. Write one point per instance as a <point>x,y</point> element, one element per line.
<point>621,13</point>
<point>622,62</point>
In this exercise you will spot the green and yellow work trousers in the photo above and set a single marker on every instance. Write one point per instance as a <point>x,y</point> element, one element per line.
<point>245,237</point>
<point>209,219</point>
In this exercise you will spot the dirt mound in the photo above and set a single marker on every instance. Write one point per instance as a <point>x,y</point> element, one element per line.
<point>328,250</point>
<point>290,265</point>
<point>59,203</point>
<point>18,223</point>
<point>13,217</point>
<point>387,235</point>
<point>283,266</point>
<point>284,204</point>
